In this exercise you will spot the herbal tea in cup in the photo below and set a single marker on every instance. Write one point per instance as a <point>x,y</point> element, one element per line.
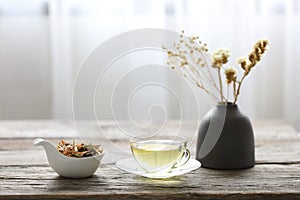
<point>159,153</point>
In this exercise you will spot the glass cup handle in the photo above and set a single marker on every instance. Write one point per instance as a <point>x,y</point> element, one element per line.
<point>184,159</point>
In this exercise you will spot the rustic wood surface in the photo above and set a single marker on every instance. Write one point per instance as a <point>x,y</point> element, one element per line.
<point>25,173</point>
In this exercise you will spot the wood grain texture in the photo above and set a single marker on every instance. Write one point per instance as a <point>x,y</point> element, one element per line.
<point>267,180</point>
<point>25,174</point>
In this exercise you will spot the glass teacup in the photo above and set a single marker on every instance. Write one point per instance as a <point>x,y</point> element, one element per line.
<point>160,153</point>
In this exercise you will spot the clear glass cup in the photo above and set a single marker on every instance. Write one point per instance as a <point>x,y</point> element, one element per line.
<point>159,153</point>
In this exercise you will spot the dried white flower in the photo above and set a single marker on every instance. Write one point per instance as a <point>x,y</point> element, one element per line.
<point>230,74</point>
<point>220,57</point>
<point>243,62</point>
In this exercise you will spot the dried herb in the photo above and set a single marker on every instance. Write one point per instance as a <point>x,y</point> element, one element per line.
<point>78,150</point>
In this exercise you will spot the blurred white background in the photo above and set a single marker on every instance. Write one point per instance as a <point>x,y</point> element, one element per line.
<point>43,44</point>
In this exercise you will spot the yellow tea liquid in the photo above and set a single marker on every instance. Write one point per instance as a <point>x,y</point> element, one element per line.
<point>154,155</point>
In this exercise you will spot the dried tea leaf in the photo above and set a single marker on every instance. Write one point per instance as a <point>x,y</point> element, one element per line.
<point>78,150</point>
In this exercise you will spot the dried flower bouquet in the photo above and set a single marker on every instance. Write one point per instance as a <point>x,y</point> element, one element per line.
<point>190,58</point>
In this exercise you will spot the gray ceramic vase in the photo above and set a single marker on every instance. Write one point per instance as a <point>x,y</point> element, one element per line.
<point>225,139</point>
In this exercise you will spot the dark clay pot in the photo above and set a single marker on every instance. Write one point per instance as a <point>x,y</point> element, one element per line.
<point>225,139</point>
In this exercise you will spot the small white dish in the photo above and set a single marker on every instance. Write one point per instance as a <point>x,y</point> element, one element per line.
<point>69,167</point>
<point>131,166</point>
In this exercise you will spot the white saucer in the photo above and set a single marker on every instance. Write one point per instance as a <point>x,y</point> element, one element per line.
<point>130,165</point>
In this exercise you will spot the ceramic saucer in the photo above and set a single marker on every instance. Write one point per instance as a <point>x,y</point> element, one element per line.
<point>131,166</point>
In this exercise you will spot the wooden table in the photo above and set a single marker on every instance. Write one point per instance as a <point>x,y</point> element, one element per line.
<point>25,173</point>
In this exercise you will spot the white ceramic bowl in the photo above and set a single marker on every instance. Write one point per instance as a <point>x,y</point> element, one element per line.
<point>69,167</point>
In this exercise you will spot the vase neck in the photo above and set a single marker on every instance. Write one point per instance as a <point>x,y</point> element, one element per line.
<point>228,106</point>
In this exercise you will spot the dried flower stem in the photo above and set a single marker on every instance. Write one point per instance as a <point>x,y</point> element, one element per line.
<point>211,78</point>
<point>196,83</point>
<point>234,88</point>
<point>200,85</point>
<point>221,86</point>
<point>203,76</point>
<point>239,88</point>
